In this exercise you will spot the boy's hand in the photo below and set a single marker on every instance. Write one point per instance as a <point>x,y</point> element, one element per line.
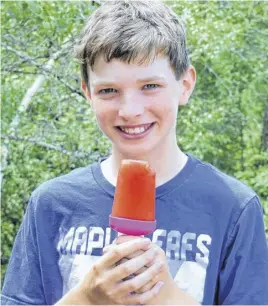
<point>170,294</point>
<point>160,258</point>
<point>104,283</point>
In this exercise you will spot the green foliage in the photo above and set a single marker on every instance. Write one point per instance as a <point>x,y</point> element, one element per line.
<point>222,124</point>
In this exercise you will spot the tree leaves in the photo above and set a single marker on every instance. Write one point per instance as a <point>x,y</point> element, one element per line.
<point>222,124</point>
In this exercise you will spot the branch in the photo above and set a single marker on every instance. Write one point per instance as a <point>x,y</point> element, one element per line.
<point>26,101</point>
<point>234,50</point>
<point>45,68</point>
<point>67,85</point>
<point>219,78</point>
<point>48,146</point>
<point>98,2</point>
<point>21,55</point>
<point>6,71</point>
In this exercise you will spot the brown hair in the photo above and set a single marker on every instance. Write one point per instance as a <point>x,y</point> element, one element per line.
<point>132,31</point>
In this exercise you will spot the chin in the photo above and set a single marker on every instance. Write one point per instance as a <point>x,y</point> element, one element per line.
<point>138,152</point>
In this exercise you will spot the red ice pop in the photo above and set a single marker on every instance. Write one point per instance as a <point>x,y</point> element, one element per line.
<point>133,210</point>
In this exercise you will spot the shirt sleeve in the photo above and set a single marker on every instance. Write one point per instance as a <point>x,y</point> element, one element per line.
<point>244,274</point>
<point>23,279</point>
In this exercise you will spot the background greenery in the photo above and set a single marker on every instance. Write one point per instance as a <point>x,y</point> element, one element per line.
<point>225,124</point>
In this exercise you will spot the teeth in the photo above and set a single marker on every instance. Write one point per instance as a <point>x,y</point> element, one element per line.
<point>137,130</point>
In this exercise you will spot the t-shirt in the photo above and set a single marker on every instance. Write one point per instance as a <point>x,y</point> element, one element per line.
<point>209,224</point>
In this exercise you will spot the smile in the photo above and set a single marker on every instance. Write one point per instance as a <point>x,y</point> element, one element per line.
<point>134,132</point>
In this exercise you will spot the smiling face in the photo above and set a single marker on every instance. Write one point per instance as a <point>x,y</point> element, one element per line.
<point>136,106</point>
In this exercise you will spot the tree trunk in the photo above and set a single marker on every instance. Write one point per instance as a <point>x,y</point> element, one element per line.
<point>4,148</point>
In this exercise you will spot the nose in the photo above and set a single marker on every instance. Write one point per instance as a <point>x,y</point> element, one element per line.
<point>131,106</point>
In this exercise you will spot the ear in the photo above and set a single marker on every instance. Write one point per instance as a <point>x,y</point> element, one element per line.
<point>187,80</point>
<point>85,90</point>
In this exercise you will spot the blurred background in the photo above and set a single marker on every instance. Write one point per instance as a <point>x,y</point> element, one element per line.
<point>48,128</point>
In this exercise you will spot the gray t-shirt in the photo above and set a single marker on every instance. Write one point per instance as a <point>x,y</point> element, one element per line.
<point>209,224</point>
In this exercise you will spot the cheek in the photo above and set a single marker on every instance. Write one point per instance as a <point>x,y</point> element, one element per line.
<point>104,112</point>
<point>165,109</point>
<point>101,116</point>
<point>105,116</point>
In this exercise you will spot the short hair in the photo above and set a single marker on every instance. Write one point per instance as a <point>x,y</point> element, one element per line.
<point>134,32</point>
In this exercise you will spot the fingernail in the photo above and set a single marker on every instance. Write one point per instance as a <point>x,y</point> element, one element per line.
<point>146,240</point>
<point>158,286</point>
<point>159,265</point>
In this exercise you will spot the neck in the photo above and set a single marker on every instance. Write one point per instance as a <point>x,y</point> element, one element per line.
<point>166,163</point>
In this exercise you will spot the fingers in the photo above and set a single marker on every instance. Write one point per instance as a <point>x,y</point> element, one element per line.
<point>109,247</point>
<point>125,259</point>
<point>149,264</point>
<point>131,266</point>
<point>135,254</point>
<point>141,280</point>
<point>141,270</point>
<point>124,238</point>
<point>120,251</point>
<point>150,284</point>
<point>146,296</point>
<point>146,287</point>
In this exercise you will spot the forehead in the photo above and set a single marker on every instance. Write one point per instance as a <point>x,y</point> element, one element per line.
<point>116,71</point>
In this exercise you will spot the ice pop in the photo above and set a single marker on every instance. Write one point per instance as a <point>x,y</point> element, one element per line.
<point>133,211</point>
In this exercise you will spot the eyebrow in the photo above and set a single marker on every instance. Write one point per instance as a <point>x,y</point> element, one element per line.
<point>149,79</point>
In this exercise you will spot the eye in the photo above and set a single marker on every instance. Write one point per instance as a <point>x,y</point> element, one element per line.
<point>151,86</point>
<point>107,91</point>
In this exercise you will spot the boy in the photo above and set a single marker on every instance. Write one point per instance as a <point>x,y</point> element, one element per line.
<point>209,246</point>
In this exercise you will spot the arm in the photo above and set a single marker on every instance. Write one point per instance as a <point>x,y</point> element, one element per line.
<point>104,285</point>
<point>171,294</point>
<point>243,276</point>
<point>75,297</point>
<point>23,273</point>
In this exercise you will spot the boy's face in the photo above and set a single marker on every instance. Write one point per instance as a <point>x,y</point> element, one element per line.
<point>136,106</point>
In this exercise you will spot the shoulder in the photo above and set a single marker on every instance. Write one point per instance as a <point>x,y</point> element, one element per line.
<point>215,181</point>
<point>227,200</point>
<point>221,194</point>
<point>66,189</point>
